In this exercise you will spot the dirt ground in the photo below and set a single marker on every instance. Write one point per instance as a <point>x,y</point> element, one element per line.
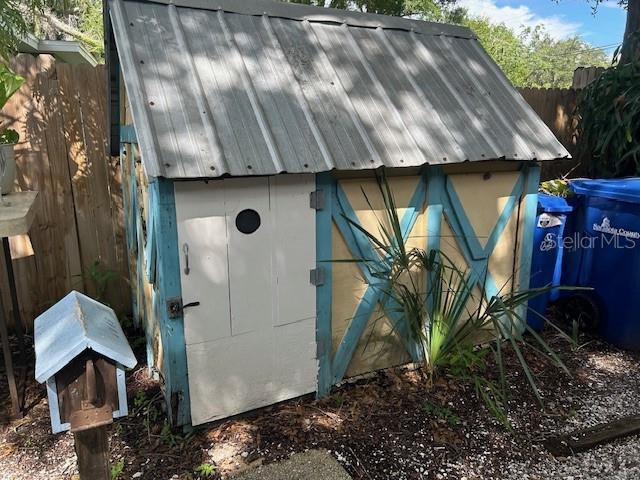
<point>386,426</point>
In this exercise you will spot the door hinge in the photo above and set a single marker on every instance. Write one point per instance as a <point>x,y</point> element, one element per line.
<point>316,276</point>
<point>316,199</point>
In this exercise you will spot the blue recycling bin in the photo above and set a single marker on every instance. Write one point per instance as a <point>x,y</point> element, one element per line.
<point>606,254</point>
<point>546,262</point>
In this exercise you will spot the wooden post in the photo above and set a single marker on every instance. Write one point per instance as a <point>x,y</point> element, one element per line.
<point>92,450</point>
<point>16,411</point>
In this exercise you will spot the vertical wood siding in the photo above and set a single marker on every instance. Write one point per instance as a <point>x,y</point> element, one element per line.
<point>60,114</point>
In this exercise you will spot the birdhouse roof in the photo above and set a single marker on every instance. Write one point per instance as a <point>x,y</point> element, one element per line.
<point>74,324</point>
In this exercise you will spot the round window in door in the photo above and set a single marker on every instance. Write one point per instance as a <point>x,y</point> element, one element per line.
<point>248,221</point>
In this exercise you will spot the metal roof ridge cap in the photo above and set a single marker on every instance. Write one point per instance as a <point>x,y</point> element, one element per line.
<point>301,12</point>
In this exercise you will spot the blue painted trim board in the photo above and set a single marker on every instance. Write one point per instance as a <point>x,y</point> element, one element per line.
<point>128,134</point>
<point>532,173</point>
<point>324,294</point>
<point>176,385</point>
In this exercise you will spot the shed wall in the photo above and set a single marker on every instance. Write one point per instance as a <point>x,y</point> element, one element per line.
<point>483,193</point>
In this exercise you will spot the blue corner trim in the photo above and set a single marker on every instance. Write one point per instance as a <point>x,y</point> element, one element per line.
<point>128,134</point>
<point>324,293</point>
<point>176,384</point>
<point>532,173</point>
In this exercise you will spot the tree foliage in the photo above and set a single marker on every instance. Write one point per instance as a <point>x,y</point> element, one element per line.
<point>533,58</point>
<point>52,19</point>
<point>16,18</point>
<point>609,119</point>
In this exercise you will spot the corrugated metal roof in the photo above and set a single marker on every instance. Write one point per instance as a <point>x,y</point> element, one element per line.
<point>257,87</point>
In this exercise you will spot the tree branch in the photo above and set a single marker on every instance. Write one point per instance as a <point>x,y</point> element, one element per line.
<point>69,30</point>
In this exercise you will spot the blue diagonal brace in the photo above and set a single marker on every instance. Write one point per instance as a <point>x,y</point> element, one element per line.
<point>361,248</point>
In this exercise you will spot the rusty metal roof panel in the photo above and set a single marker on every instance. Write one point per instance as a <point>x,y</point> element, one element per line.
<point>256,88</point>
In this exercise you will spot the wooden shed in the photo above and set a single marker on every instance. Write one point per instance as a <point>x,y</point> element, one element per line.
<point>247,131</point>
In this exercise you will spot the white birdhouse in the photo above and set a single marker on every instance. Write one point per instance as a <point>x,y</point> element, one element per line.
<point>81,353</point>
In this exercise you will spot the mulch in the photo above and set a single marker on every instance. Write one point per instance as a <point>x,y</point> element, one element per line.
<point>389,425</point>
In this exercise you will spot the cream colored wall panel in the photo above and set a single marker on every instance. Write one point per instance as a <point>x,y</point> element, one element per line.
<point>348,287</point>
<point>402,188</point>
<point>378,348</point>
<point>483,198</point>
<point>501,262</point>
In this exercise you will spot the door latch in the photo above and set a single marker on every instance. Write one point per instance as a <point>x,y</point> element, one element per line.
<point>175,307</point>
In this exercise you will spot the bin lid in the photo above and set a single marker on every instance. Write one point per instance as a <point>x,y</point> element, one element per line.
<point>623,189</point>
<point>552,204</point>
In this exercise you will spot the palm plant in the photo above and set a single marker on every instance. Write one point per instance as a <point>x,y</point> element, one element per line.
<point>434,297</point>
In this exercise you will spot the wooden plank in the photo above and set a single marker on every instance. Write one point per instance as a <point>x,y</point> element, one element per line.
<point>174,361</point>
<point>63,140</point>
<point>111,230</point>
<point>27,109</point>
<point>588,438</point>
<point>87,168</point>
<point>246,253</point>
<point>294,244</point>
<point>325,185</point>
<point>17,212</point>
<point>67,247</point>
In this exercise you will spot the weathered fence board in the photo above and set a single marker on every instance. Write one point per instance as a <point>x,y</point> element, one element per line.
<point>556,108</point>
<point>60,114</point>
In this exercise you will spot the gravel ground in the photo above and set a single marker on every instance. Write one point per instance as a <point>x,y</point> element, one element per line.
<point>388,426</point>
<point>310,465</point>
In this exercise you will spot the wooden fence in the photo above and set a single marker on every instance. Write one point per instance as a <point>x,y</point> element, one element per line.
<point>77,239</point>
<point>556,108</point>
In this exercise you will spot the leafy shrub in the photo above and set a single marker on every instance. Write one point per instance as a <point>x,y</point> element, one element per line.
<point>9,84</point>
<point>609,120</point>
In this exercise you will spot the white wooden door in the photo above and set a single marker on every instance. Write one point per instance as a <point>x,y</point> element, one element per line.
<point>251,340</point>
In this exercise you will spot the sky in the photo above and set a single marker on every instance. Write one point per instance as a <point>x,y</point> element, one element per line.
<point>562,18</point>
